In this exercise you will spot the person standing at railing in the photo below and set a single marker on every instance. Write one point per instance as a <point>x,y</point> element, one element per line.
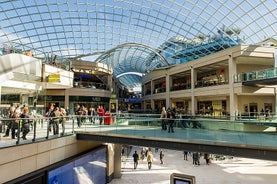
<point>83,113</point>
<point>267,114</point>
<point>100,112</point>
<point>15,128</point>
<point>78,113</point>
<point>262,112</point>
<point>9,121</point>
<point>25,122</point>
<point>92,113</point>
<point>63,119</point>
<point>49,116</point>
<point>171,119</point>
<point>56,120</point>
<point>163,119</point>
<point>55,63</point>
<point>212,110</point>
<point>29,53</point>
<point>67,110</point>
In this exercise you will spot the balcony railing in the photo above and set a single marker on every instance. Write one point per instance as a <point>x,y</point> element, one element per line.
<point>256,75</point>
<point>91,85</point>
<point>251,131</point>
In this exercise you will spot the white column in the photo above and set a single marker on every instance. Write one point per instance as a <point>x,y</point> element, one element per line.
<point>275,57</point>
<point>275,105</point>
<point>193,77</point>
<point>275,65</point>
<point>152,91</point>
<point>66,98</point>
<point>117,160</point>
<point>233,100</point>
<point>168,84</point>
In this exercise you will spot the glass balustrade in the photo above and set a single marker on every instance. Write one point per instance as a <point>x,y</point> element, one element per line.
<point>256,75</point>
<point>246,131</point>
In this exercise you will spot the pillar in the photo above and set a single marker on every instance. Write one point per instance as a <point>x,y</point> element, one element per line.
<point>275,96</point>
<point>117,160</point>
<point>193,78</point>
<point>168,84</point>
<point>152,91</point>
<point>232,97</point>
<point>66,98</point>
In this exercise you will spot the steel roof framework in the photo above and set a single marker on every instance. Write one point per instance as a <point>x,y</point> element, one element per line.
<point>77,28</point>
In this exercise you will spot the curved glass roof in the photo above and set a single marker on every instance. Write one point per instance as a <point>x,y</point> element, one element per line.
<point>135,36</point>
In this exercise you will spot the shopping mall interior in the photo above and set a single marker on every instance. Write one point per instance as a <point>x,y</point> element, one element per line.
<point>82,82</point>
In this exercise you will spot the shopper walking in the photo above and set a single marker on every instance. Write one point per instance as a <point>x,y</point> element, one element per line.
<point>142,153</point>
<point>135,156</point>
<point>149,159</point>
<point>161,157</point>
<point>207,158</point>
<point>195,158</point>
<point>185,155</point>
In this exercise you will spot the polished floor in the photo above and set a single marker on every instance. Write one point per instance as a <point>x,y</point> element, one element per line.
<point>228,171</point>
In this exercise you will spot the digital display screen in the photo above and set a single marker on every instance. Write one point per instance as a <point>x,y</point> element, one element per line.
<point>178,178</point>
<point>177,181</point>
<point>90,168</point>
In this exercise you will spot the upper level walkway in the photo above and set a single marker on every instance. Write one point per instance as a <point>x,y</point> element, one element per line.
<point>253,138</point>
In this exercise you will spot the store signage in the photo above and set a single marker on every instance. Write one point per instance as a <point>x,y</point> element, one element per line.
<point>54,77</point>
<point>113,96</point>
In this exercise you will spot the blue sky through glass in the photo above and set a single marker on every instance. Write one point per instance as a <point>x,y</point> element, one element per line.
<point>71,28</point>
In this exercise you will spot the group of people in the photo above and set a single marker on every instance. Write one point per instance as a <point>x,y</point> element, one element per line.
<point>146,153</point>
<point>168,118</point>
<point>56,116</point>
<point>18,121</point>
<point>196,157</point>
<point>82,113</point>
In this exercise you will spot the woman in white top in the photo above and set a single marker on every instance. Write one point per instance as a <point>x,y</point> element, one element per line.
<point>163,118</point>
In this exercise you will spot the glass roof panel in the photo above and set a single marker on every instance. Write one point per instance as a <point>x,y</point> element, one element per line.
<point>179,31</point>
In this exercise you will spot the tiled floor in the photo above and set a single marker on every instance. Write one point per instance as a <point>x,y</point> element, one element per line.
<point>228,171</point>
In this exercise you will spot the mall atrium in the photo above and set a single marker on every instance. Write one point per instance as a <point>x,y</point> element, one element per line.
<point>136,56</point>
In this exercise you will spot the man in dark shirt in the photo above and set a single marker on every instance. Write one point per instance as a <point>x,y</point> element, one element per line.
<point>135,156</point>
